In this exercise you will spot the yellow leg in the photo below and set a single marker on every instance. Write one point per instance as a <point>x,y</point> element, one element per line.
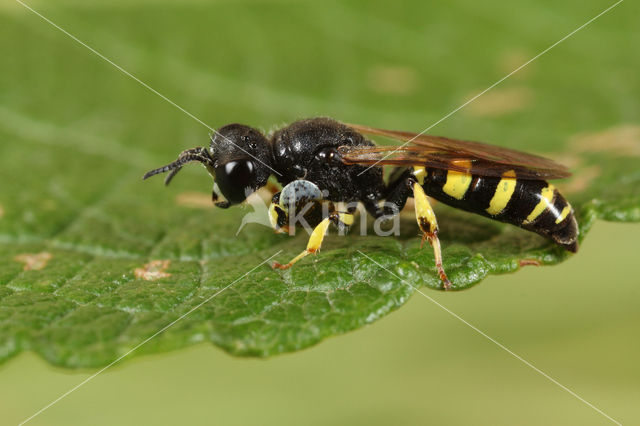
<point>315,240</point>
<point>276,216</point>
<point>429,226</point>
<point>342,219</point>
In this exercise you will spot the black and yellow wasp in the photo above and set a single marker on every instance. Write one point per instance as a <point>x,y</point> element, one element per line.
<point>327,163</point>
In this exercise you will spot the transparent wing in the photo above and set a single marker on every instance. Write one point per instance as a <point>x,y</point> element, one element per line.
<point>451,154</point>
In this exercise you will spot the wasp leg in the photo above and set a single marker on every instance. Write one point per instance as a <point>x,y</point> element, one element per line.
<point>343,220</point>
<point>317,236</point>
<point>395,195</point>
<point>315,241</point>
<point>429,226</point>
<point>278,218</point>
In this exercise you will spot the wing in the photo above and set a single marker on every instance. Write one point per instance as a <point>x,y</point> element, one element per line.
<point>450,154</point>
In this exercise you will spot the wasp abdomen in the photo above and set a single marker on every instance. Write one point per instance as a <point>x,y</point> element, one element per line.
<point>535,205</point>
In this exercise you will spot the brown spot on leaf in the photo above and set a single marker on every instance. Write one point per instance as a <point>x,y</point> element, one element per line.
<point>195,200</point>
<point>34,261</point>
<point>153,270</point>
<point>623,139</point>
<point>392,79</point>
<point>1,211</point>
<point>497,102</point>
<point>529,262</point>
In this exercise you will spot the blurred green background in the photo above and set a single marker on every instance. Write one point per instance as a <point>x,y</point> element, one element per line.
<point>404,66</point>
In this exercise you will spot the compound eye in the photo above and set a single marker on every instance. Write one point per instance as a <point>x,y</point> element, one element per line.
<point>235,179</point>
<point>240,172</point>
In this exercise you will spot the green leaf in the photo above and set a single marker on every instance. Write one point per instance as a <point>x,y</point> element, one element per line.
<point>93,261</point>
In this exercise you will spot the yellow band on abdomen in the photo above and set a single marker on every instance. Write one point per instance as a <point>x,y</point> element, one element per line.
<point>458,183</point>
<point>546,197</point>
<point>504,191</point>
<point>563,214</point>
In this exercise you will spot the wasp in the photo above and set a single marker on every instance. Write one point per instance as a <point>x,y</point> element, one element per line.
<point>325,164</point>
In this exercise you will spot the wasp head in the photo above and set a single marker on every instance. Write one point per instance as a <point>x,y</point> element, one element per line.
<point>238,158</point>
<point>241,161</point>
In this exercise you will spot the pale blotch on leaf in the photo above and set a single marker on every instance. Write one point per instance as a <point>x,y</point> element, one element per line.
<point>582,179</point>
<point>392,79</point>
<point>499,102</point>
<point>34,261</point>
<point>153,270</point>
<point>199,200</point>
<point>195,200</point>
<point>623,140</point>
<point>568,159</point>
<point>514,59</point>
<point>1,211</point>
